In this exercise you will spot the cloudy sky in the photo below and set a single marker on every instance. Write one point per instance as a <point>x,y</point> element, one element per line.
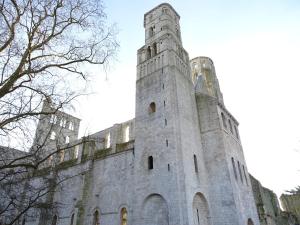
<point>255,46</point>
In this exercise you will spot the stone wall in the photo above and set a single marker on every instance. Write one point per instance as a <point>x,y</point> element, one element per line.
<point>268,206</point>
<point>291,203</point>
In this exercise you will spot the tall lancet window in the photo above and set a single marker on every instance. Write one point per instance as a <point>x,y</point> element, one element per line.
<point>96,220</point>
<point>148,52</point>
<point>126,134</point>
<point>123,216</point>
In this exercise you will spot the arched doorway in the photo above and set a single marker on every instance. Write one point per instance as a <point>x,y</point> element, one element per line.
<point>155,211</point>
<point>200,210</point>
<point>250,222</point>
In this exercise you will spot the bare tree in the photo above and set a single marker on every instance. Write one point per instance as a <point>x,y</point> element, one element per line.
<point>294,191</point>
<point>45,45</point>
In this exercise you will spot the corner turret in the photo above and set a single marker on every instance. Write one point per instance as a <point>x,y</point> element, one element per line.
<point>204,77</point>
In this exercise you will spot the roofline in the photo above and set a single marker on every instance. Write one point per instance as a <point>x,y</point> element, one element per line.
<point>202,57</point>
<point>167,4</point>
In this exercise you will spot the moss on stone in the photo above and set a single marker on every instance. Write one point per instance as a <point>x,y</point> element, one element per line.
<point>123,146</point>
<point>66,164</point>
<point>101,153</point>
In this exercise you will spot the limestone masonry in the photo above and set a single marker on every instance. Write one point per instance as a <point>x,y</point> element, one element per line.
<point>178,162</point>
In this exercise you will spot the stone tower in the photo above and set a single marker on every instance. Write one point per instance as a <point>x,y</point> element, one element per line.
<point>170,177</point>
<point>189,166</point>
<point>231,197</point>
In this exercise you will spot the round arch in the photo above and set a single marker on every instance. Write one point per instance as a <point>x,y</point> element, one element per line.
<point>200,210</point>
<point>155,210</point>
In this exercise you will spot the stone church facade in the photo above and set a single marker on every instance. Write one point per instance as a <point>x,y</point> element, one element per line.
<point>178,162</point>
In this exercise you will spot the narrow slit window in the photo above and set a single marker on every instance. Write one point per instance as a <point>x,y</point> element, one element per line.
<point>234,168</point>
<point>239,167</point>
<point>72,219</point>
<point>168,167</point>
<point>154,49</point>
<point>196,163</point>
<point>245,175</point>
<point>96,218</point>
<point>150,162</point>
<point>166,122</point>
<point>236,133</point>
<point>148,52</point>
<point>167,143</point>
<point>230,126</point>
<point>224,121</point>
<point>164,103</point>
<point>54,220</point>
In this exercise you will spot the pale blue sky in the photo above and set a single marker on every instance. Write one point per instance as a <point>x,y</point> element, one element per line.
<point>255,46</point>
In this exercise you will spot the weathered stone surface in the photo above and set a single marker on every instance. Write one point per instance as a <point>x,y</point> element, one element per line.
<point>172,164</point>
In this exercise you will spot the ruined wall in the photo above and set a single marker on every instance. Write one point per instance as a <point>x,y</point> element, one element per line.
<point>268,206</point>
<point>98,177</point>
<point>291,203</point>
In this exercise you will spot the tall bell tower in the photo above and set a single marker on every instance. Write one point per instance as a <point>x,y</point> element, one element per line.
<point>168,152</point>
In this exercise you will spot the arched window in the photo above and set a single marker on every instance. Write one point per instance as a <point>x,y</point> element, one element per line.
<point>63,122</point>
<point>53,119</point>
<point>71,125</point>
<point>196,163</point>
<point>230,126</point>
<point>54,220</point>
<point>72,219</point>
<point>151,31</point>
<point>126,134</point>
<point>148,52</point>
<point>150,162</point>
<point>152,107</point>
<point>107,141</point>
<point>123,216</point>
<point>53,135</point>
<point>224,121</point>
<point>234,168</point>
<point>96,220</point>
<point>67,139</point>
<point>154,49</point>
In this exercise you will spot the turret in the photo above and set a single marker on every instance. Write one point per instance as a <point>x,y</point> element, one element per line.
<point>204,77</point>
